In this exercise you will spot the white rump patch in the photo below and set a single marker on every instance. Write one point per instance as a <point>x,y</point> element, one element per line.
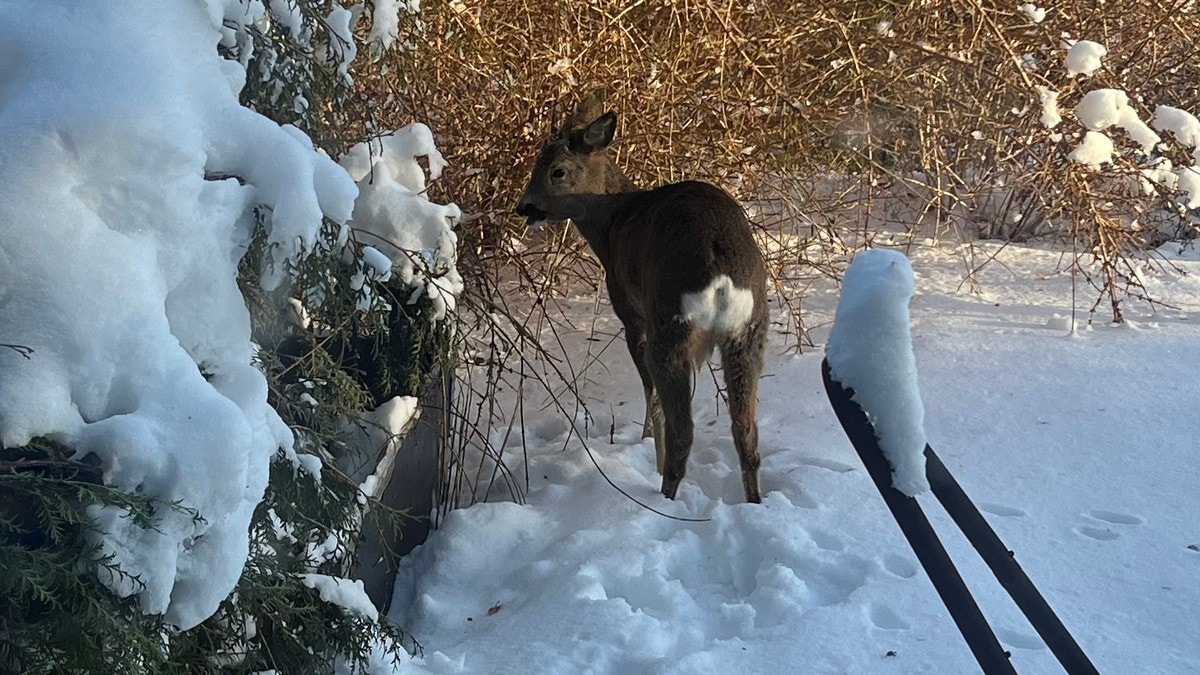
<point>721,307</point>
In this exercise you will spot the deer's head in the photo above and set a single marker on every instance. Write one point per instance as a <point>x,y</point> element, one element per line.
<point>573,161</point>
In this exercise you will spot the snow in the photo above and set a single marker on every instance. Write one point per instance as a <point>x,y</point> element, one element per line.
<point>235,18</point>
<point>870,351</point>
<point>1094,150</point>
<point>348,594</point>
<point>380,264</point>
<point>1036,14</point>
<point>1059,322</point>
<point>342,49</point>
<point>394,216</point>
<point>1084,57</point>
<point>287,14</point>
<point>1181,124</point>
<point>1186,129</point>
<point>379,434</point>
<point>310,464</point>
<point>1077,447</point>
<point>1049,99</point>
<point>1103,108</point>
<point>385,21</point>
<point>1188,182</point>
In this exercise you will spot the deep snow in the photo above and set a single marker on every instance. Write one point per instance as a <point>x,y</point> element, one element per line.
<point>1077,446</point>
<point>118,267</point>
<point>129,179</point>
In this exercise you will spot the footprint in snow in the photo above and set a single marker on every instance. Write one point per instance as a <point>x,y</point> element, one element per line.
<point>1107,519</point>
<point>1001,510</point>
<point>822,463</point>
<point>900,566</point>
<point>826,541</point>
<point>550,429</point>
<point>834,583</point>
<point>799,499</point>
<point>886,618</point>
<point>1097,533</point>
<point>1115,518</point>
<point>1019,640</point>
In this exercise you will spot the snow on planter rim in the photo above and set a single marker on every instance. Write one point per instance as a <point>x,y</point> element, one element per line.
<point>870,351</point>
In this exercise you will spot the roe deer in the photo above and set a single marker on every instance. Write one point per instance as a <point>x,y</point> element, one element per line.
<point>684,275</point>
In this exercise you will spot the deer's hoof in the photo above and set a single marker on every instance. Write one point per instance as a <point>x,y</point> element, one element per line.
<point>750,483</point>
<point>670,488</point>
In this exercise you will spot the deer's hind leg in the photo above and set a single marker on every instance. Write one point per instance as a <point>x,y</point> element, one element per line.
<point>742,362</point>
<point>652,424</point>
<point>671,370</point>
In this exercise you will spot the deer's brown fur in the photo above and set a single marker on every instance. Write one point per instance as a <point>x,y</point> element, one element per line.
<point>661,249</point>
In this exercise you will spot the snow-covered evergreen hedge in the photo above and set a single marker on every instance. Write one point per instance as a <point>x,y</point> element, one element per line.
<point>174,268</point>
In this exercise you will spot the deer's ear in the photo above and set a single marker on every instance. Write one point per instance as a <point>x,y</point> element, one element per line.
<point>588,110</point>
<point>599,134</point>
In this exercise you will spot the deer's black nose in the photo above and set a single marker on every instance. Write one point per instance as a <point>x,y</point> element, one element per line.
<point>532,213</point>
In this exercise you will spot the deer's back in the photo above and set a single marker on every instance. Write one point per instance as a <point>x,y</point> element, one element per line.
<point>676,238</point>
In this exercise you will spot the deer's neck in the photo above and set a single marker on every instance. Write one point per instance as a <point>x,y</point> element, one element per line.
<point>594,214</point>
<point>615,180</point>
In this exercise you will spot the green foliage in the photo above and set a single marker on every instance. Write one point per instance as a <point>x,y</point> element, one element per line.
<point>274,622</point>
<point>360,346</point>
<point>287,80</point>
<point>356,344</point>
<point>55,616</point>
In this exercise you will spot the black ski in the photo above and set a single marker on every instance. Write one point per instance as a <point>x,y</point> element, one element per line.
<point>937,563</point>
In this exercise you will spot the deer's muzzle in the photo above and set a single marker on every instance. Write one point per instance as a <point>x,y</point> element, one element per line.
<point>533,215</point>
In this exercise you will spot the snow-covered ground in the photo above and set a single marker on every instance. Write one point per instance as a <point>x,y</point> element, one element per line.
<point>1079,448</point>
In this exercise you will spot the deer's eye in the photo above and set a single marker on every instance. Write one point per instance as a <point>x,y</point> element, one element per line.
<point>558,175</point>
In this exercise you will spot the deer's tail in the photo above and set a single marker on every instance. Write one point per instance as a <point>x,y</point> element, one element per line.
<point>718,312</point>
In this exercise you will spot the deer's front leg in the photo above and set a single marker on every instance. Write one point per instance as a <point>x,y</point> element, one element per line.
<point>652,423</point>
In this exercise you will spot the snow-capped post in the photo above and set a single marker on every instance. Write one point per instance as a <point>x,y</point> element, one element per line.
<point>870,351</point>
<point>871,380</point>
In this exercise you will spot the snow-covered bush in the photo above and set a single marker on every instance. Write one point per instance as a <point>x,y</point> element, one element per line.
<point>1125,168</point>
<point>158,425</point>
<point>1026,121</point>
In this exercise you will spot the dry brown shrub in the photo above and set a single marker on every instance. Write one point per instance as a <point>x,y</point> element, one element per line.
<point>987,165</point>
<point>832,120</point>
<point>747,95</point>
<point>766,98</point>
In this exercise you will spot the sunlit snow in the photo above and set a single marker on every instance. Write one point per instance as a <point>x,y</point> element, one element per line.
<point>129,175</point>
<point>1094,150</point>
<point>1104,108</point>
<point>1074,445</point>
<point>870,351</point>
<point>1085,57</point>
